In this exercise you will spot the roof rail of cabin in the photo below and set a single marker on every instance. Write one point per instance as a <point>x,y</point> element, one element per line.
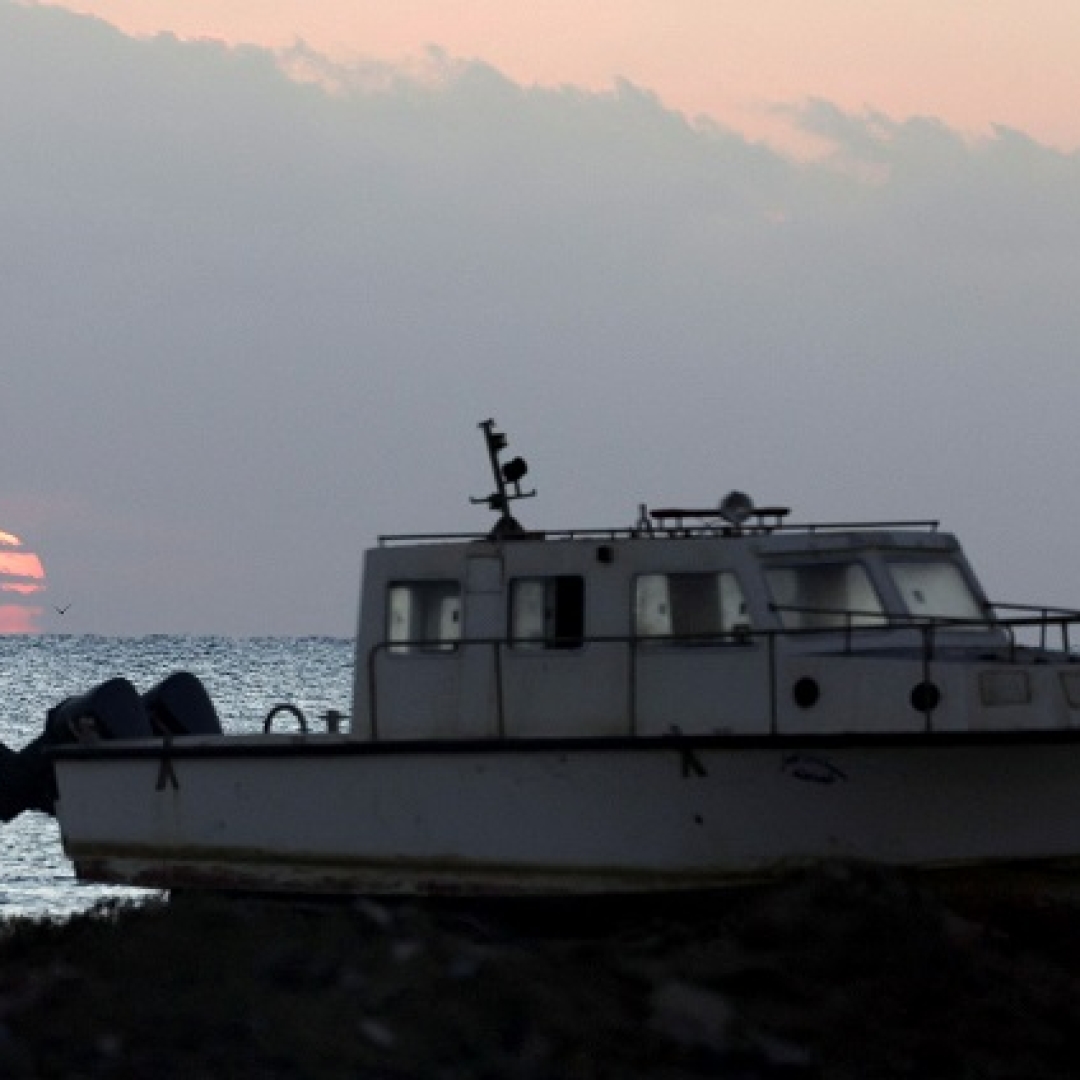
<point>736,513</point>
<point>768,519</point>
<point>671,524</point>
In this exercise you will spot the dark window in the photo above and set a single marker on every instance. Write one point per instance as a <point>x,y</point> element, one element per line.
<point>548,612</point>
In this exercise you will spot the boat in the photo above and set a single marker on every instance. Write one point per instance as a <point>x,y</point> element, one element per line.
<point>704,698</point>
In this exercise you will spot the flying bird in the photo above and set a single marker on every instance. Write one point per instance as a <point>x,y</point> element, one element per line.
<point>61,610</point>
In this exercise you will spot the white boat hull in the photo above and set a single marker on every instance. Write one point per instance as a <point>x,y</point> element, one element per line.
<point>328,815</point>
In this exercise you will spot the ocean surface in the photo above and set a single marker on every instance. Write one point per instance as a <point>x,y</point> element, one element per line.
<point>245,678</point>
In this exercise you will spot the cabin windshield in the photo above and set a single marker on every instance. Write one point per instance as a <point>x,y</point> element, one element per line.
<point>936,590</point>
<point>823,595</point>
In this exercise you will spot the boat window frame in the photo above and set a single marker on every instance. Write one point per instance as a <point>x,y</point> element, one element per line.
<point>981,620</point>
<point>838,619</point>
<point>433,594</point>
<point>721,635</point>
<point>560,590</point>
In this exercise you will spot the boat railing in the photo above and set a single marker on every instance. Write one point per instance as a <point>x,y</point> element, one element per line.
<point>667,523</point>
<point>670,521</point>
<point>927,638</point>
<point>1042,619</point>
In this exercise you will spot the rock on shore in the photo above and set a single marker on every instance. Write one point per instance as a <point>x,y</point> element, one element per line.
<point>843,973</point>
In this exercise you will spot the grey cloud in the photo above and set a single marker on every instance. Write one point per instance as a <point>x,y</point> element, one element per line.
<point>250,322</point>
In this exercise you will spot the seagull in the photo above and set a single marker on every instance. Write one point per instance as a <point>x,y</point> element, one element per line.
<point>61,610</point>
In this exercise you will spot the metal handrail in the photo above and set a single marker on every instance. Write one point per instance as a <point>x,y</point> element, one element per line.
<point>1045,618</point>
<point>928,629</point>
<point>1044,609</point>
<point>659,529</point>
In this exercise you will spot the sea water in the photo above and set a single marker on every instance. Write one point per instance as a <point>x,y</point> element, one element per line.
<point>245,677</point>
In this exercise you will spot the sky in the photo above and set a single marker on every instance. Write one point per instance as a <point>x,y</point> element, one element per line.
<point>22,583</point>
<point>262,279</point>
<point>970,63</point>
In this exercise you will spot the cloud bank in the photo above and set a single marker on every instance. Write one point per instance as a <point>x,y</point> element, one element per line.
<point>249,321</point>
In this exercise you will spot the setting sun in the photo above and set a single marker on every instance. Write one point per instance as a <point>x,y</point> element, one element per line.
<point>22,580</point>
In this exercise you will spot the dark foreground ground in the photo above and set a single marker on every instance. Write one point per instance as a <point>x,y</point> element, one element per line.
<point>846,973</point>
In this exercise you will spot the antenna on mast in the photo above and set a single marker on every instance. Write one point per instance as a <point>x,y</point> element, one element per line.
<point>508,479</point>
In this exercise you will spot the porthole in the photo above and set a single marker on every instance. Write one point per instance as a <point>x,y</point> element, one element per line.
<point>806,693</point>
<point>925,697</point>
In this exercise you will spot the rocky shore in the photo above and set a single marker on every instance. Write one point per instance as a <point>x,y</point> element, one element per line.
<point>844,973</point>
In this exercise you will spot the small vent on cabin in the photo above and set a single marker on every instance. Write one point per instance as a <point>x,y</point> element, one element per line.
<point>1005,688</point>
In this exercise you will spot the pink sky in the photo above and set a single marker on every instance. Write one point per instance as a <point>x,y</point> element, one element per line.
<point>21,572</point>
<point>969,62</point>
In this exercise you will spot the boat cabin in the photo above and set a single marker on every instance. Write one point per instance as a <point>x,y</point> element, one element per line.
<point>726,621</point>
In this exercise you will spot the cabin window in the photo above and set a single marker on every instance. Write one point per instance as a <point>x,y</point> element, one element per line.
<point>821,595</point>
<point>424,616</point>
<point>548,612</point>
<point>688,607</point>
<point>936,590</point>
